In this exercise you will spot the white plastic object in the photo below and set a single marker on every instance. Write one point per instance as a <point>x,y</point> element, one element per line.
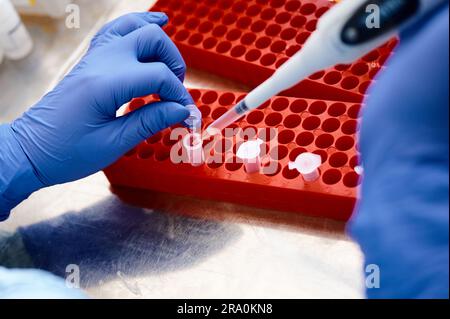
<point>193,145</point>
<point>308,166</point>
<point>194,121</point>
<point>14,37</point>
<point>359,170</point>
<point>51,8</point>
<point>250,153</point>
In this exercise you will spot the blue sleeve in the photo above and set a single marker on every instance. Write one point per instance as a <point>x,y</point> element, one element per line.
<point>34,284</point>
<point>402,221</point>
<point>17,177</point>
<point>29,283</point>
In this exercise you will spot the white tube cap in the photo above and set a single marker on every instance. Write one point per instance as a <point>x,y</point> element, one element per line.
<point>307,164</point>
<point>194,121</point>
<point>250,149</point>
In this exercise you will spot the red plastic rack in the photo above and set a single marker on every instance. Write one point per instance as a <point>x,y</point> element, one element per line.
<point>326,128</point>
<point>247,40</point>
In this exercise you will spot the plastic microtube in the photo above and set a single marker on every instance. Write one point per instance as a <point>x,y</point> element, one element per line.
<point>193,145</point>
<point>250,153</point>
<point>308,166</point>
<point>194,121</point>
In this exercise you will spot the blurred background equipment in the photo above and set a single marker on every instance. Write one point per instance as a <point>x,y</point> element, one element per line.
<point>14,37</point>
<point>52,8</point>
<point>56,49</point>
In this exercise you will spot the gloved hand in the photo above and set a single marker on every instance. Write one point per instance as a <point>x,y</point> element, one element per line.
<point>73,131</point>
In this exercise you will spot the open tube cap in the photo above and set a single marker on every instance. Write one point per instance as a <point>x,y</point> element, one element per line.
<point>250,149</point>
<point>306,163</point>
<point>194,121</point>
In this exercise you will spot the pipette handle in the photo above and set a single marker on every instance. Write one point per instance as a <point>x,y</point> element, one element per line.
<point>343,35</point>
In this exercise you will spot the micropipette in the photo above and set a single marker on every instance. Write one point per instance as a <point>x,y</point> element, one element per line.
<point>344,34</point>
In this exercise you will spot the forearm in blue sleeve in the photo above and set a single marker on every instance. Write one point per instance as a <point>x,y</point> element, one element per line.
<point>402,221</point>
<point>17,177</point>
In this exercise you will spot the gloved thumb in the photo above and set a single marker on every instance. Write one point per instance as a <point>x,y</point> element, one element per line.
<point>148,120</point>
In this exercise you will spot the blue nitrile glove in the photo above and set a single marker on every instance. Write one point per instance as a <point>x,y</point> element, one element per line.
<point>73,131</point>
<point>402,222</point>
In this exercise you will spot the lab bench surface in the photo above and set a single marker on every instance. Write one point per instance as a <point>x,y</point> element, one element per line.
<point>181,247</point>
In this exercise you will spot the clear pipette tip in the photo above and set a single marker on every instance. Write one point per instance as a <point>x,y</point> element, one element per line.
<point>231,116</point>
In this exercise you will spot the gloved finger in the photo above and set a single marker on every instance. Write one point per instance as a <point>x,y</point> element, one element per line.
<point>152,78</point>
<point>146,121</point>
<point>154,45</point>
<point>132,21</point>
